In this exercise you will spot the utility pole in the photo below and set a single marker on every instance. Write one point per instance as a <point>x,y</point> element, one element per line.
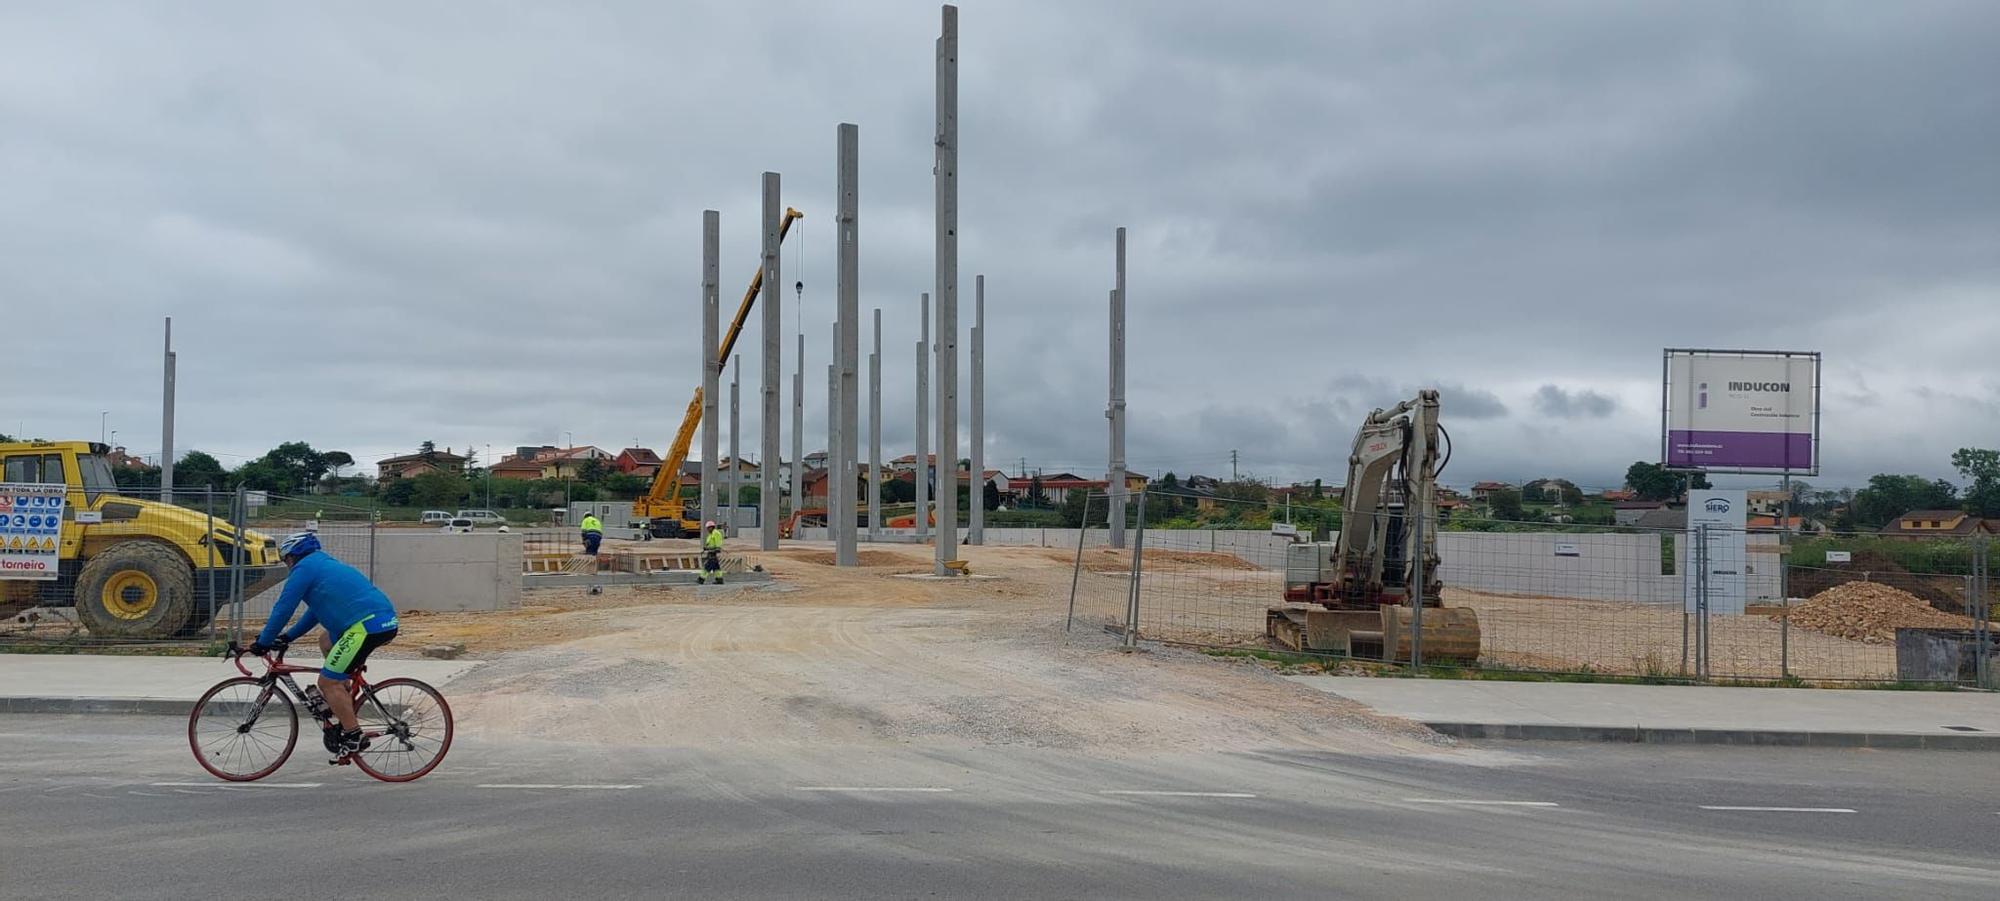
<point>1115,412</point>
<point>167,420</point>
<point>1232,465</point>
<point>735,454</point>
<point>798,480</point>
<point>946,181</point>
<point>875,434</point>
<point>976,492</point>
<point>923,418</point>
<point>848,299</point>
<point>774,366</point>
<point>711,367</point>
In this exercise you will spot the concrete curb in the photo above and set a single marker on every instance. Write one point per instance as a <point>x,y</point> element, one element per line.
<point>1765,737</point>
<point>141,706</point>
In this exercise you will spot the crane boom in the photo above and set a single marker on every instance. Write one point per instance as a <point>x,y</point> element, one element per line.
<point>660,511</point>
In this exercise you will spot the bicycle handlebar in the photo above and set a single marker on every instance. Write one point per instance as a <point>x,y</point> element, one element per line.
<point>237,653</point>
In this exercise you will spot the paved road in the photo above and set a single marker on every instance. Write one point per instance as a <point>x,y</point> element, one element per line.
<point>110,806</point>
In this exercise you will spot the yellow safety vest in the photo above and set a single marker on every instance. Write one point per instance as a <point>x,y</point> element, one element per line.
<point>590,524</point>
<point>713,541</point>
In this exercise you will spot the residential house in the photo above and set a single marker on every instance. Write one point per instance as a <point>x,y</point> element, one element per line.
<point>514,466</point>
<point>1758,522</point>
<point>1767,502</point>
<point>1619,495</point>
<point>816,484</point>
<point>815,460</point>
<point>411,465</point>
<point>1483,492</point>
<point>638,461</point>
<point>568,462</point>
<point>1628,512</point>
<point>1936,524</point>
<point>742,472</point>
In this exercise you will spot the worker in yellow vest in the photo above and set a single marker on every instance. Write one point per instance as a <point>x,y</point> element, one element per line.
<point>711,554</point>
<point>593,532</point>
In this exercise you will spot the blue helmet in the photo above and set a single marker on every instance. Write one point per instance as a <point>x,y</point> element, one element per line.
<point>298,544</point>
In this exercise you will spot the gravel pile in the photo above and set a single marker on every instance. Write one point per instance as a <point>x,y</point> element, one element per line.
<point>1870,612</point>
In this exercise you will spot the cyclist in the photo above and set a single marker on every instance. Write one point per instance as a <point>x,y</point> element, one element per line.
<point>357,616</point>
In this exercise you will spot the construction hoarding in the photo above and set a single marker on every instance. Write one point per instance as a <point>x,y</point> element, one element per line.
<point>31,517</point>
<point>1740,411</point>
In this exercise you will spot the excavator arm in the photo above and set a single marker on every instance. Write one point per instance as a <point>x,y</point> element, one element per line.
<point>661,507</point>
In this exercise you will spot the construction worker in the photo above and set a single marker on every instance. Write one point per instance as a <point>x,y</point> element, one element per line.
<point>711,553</point>
<point>593,532</point>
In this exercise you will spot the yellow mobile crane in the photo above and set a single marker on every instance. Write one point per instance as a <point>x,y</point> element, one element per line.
<point>660,512</point>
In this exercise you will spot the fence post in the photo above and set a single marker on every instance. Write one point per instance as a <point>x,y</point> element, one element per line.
<point>1982,610</point>
<point>374,517</point>
<point>1414,549</point>
<point>1701,605</point>
<point>208,566</point>
<point>1138,567</point>
<point>1785,606</point>
<point>1076,573</point>
<point>241,514</point>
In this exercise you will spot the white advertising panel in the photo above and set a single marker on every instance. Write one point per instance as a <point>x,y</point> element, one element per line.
<point>1723,512</point>
<point>1741,411</point>
<point>31,518</point>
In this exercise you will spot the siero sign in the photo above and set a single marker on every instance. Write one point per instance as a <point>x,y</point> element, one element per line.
<point>1741,411</point>
<point>1723,512</point>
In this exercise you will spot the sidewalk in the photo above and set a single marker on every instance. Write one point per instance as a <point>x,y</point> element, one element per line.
<point>90,683</point>
<point>1574,711</point>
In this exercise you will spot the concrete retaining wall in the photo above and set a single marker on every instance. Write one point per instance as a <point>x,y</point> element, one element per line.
<point>1609,567</point>
<point>434,571</point>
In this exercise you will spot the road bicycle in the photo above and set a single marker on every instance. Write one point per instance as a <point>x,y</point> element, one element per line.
<point>245,727</point>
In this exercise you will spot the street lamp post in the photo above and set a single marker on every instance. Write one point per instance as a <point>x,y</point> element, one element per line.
<point>103,419</point>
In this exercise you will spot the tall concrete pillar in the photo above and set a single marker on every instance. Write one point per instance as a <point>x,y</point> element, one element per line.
<point>976,495</point>
<point>832,441</point>
<point>734,488</point>
<point>947,289</point>
<point>774,367</point>
<point>1115,411</point>
<point>711,366</point>
<point>166,419</point>
<point>875,434</point>
<point>798,480</point>
<point>848,293</point>
<point>924,419</point>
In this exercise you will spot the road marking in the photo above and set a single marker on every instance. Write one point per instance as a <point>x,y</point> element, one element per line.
<point>236,784</point>
<point>1473,802</point>
<point>871,788</point>
<point>1177,794</point>
<point>1779,809</point>
<point>551,785</point>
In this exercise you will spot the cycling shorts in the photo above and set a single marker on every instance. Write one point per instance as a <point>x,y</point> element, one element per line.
<point>351,649</point>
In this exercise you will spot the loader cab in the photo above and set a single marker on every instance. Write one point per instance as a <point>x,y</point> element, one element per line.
<point>48,464</point>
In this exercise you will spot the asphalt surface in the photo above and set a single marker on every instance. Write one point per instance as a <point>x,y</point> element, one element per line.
<point>114,806</point>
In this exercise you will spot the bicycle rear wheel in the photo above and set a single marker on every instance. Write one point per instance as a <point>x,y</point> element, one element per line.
<point>242,729</point>
<point>409,728</point>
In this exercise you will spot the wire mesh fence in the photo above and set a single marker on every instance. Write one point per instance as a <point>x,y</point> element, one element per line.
<point>1547,596</point>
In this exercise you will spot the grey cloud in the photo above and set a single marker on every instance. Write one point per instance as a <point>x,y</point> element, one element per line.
<point>1582,403</point>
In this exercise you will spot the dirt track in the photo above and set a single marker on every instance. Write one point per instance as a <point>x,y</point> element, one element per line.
<point>868,656</point>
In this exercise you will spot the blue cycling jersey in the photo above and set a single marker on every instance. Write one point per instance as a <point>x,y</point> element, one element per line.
<point>335,594</point>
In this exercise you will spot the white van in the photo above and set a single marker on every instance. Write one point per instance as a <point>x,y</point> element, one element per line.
<point>435,517</point>
<point>481,517</point>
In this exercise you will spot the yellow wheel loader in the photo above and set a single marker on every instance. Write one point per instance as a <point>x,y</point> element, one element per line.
<point>133,568</point>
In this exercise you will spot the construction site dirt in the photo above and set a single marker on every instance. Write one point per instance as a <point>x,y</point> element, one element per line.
<point>858,656</point>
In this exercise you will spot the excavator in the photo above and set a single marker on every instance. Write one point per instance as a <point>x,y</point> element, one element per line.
<point>1358,595</point>
<point>661,512</point>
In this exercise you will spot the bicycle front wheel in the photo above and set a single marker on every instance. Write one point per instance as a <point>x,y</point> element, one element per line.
<point>409,729</point>
<point>242,729</point>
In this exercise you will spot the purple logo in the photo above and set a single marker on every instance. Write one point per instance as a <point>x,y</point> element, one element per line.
<point>1716,505</point>
<point>1701,402</point>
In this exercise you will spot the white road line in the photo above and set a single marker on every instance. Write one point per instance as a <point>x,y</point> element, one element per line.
<point>551,785</point>
<point>1473,802</point>
<point>1175,794</point>
<point>870,788</point>
<point>1778,809</point>
<point>236,784</point>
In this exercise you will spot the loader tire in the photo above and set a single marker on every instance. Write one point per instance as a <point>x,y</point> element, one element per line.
<point>138,589</point>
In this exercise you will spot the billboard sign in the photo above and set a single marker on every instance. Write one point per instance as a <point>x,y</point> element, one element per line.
<point>1724,513</point>
<point>1740,411</point>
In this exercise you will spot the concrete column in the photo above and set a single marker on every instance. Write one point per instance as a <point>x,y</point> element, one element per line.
<point>923,416</point>
<point>976,527</point>
<point>832,441</point>
<point>711,366</point>
<point>774,367</point>
<point>166,419</point>
<point>848,293</point>
<point>875,434</point>
<point>1115,412</point>
<point>947,289</point>
<point>734,490</point>
<point>798,484</point>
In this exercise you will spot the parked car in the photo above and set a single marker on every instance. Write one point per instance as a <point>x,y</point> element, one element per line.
<point>435,517</point>
<point>482,517</point>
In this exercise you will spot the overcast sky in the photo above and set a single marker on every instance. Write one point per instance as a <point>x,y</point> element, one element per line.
<point>478,223</point>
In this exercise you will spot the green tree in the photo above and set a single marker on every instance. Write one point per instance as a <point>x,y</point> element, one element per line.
<point>260,475</point>
<point>626,485</point>
<point>1981,470</point>
<point>594,471</point>
<point>1506,505</point>
<point>1653,482</point>
<point>898,491</point>
<point>1889,496</point>
<point>398,492</point>
<point>337,460</point>
<point>1036,498</point>
<point>199,470</point>
<point>990,496</point>
<point>439,489</point>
